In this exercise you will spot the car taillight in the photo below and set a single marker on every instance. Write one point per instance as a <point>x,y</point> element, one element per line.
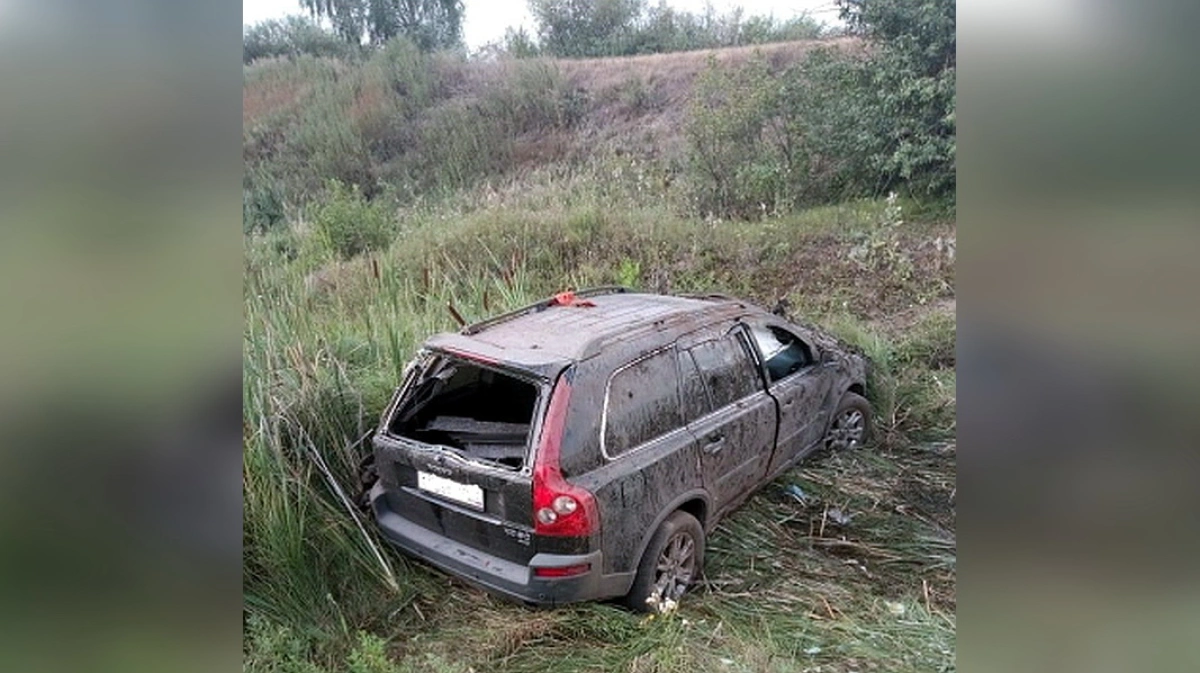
<point>563,571</point>
<point>560,508</point>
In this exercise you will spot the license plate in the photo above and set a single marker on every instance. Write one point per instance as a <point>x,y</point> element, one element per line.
<point>465,494</point>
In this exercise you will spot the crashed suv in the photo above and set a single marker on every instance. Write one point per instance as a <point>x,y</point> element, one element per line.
<point>582,447</point>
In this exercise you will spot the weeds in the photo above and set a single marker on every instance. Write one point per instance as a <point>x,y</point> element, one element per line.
<point>348,224</point>
<point>846,563</point>
<point>787,585</point>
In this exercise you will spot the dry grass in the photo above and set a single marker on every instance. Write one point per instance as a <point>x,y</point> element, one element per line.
<point>632,102</point>
<point>667,81</point>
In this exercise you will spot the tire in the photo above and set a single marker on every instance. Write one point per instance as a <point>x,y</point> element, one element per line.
<point>850,426</point>
<point>670,545</point>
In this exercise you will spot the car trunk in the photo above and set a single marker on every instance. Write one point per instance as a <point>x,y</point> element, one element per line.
<point>454,451</point>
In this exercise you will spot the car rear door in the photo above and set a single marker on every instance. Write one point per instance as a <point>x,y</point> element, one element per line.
<point>730,413</point>
<point>650,457</point>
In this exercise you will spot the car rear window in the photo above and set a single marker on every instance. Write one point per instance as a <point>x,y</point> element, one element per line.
<point>642,403</point>
<point>482,412</point>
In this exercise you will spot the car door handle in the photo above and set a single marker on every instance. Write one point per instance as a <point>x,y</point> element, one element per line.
<point>714,442</point>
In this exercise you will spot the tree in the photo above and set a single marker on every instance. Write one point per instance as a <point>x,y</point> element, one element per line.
<point>908,89</point>
<point>430,24</point>
<point>291,36</point>
<point>837,124</point>
<point>586,27</point>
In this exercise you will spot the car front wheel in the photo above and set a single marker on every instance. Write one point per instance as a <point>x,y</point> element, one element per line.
<point>851,424</point>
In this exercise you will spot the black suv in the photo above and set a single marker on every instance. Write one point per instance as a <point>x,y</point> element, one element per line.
<point>581,447</point>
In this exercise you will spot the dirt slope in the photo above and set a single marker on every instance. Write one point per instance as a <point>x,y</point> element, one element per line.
<point>635,103</point>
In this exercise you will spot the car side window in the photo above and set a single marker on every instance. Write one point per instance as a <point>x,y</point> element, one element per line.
<point>783,353</point>
<point>695,396</point>
<point>726,369</point>
<point>642,402</point>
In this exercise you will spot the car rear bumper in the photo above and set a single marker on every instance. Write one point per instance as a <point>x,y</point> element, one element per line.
<point>513,580</point>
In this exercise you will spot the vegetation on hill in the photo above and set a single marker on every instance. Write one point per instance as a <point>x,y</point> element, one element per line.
<point>738,133</point>
<point>430,24</point>
<point>597,28</point>
<point>382,186</point>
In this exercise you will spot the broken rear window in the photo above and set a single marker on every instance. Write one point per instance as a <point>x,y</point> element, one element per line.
<point>482,413</point>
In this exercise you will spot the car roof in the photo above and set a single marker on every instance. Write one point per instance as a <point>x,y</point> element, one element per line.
<point>576,330</point>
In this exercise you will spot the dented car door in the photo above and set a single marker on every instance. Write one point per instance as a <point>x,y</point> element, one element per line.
<point>734,417</point>
<point>800,386</point>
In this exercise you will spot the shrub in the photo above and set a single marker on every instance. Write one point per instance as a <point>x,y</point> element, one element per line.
<point>735,171</point>
<point>349,224</point>
<point>454,144</point>
<point>519,44</point>
<point>836,125</point>
<point>903,95</point>
<point>329,146</point>
<point>262,203</point>
<point>576,28</point>
<point>291,36</point>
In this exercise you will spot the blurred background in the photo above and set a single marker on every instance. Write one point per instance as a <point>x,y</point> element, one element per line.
<point>1079,210</point>
<point>120,287</point>
<point>120,173</point>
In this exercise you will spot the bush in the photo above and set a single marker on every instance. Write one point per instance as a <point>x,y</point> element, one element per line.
<point>262,203</point>
<point>736,171</point>
<point>626,27</point>
<point>454,144</point>
<point>904,93</point>
<point>349,224</point>
<point>574,29</point>
<point>836,125</point>
<point>290,37</point>
<point>519,44</point>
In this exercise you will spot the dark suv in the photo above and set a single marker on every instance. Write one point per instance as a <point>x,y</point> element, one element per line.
<point>581,447</point>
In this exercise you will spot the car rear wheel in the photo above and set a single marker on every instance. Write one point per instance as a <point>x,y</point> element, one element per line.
<point>672,562</point>
<point>851,424</point>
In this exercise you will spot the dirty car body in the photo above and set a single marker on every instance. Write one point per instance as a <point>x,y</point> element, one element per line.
<point>539,454</point>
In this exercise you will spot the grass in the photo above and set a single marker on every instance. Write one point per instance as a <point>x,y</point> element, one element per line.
<point>787,587</point>
<point>379,193</point>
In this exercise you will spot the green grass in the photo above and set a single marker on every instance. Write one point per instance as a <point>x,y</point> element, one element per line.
<point>382,191</point>
<point>326,340</point>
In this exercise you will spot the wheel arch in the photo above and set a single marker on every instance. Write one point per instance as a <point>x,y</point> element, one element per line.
<point>696,502</point>
<point>857,388</point>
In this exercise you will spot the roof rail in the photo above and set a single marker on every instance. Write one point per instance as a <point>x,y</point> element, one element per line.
<point>538,307</point>
<point>709,296</point>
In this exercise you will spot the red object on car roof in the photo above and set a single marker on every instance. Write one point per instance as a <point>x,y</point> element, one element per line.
<point>568,298</point>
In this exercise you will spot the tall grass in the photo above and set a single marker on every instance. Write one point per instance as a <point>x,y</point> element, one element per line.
<point>382,191</point>
<point>426,124</point>
<point>326,339</point>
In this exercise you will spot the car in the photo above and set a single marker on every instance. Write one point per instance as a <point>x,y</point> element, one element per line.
<point>581,448</point>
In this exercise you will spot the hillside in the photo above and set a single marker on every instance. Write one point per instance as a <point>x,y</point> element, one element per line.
<point>647,93</point>
<point>641,102</point>
<point>379,192</point>
<point>442,123</point>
